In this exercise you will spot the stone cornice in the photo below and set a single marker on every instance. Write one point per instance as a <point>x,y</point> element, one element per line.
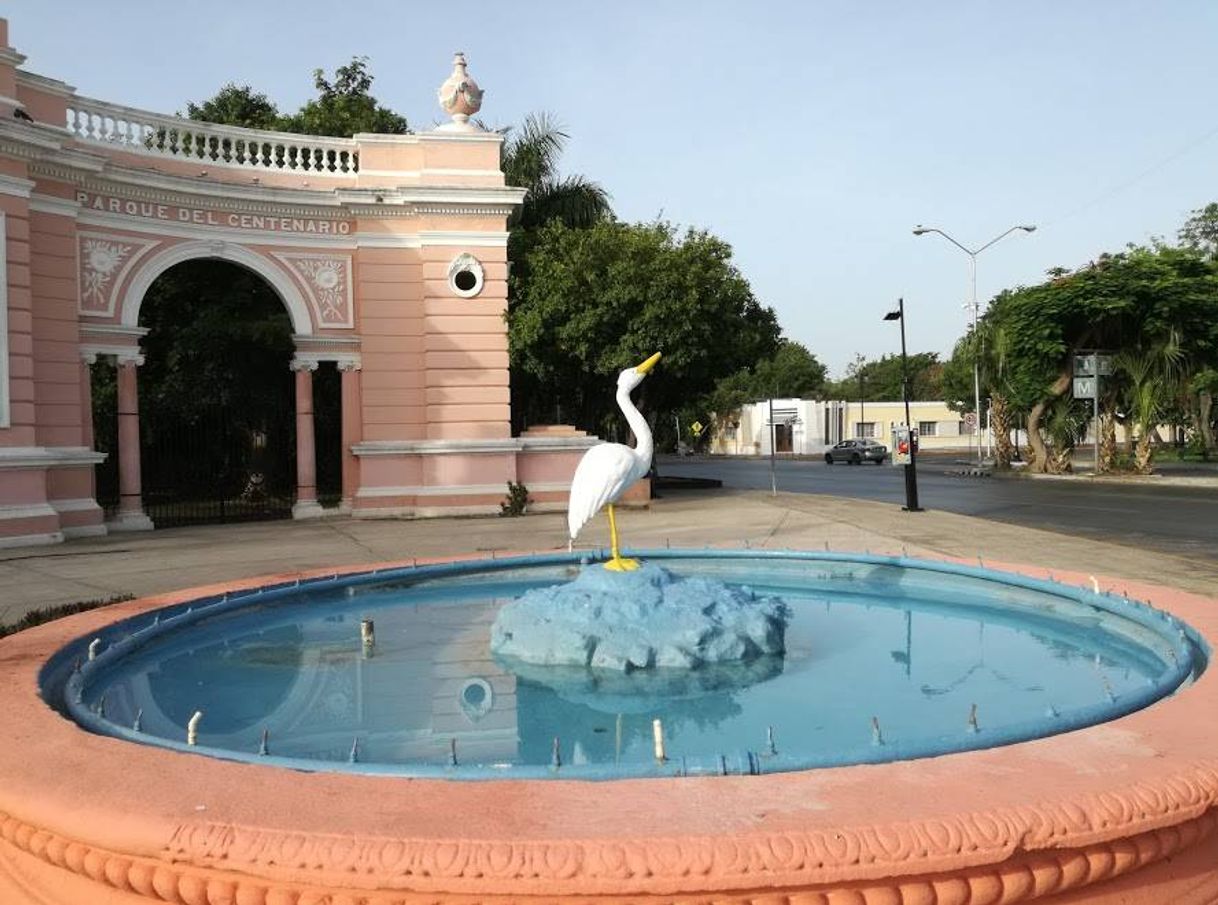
<point>29,140</point>
<point>47,456</point>
<point>16,185</point>
<point>162,188</point>
<point>44,84</point>
<point>111,330</point>
<point>53,204</point>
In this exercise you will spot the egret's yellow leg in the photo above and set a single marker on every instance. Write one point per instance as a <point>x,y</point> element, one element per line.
<point>616,563</point>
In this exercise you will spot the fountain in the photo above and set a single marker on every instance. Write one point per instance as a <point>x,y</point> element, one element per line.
<point>663,724</point>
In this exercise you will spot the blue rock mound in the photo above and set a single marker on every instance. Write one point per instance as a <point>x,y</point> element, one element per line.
<point>646,619</point>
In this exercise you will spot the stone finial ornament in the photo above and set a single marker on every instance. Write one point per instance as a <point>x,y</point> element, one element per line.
<point>460,95</point>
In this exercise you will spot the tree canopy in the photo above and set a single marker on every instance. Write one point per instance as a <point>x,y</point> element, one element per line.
<point>881,379</point>
<point>341,109</point>
<point>603,298</point>
<point>791,372</point>
<point>1155,308</point>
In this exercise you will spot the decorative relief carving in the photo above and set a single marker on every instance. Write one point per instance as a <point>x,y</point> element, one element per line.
<point>104,261</point>
<point>327,282</point>
<point>212,872</point>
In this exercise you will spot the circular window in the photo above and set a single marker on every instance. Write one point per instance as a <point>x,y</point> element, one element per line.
<point>465,280</point>
<point>465,276</point>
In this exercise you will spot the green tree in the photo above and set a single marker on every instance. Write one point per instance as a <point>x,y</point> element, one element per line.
<point>792,372</point>
<point>603,298</point>
<point>530,156</point>
<point>881,379</point>
<point>1155,372</point>
<point>341,109</point>
<point>1128,302</point>
<point>1200,231</point>
<point>345,106</point>
<point>237,105</point>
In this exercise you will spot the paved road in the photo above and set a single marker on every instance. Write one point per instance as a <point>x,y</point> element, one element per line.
<point>1180,520</point>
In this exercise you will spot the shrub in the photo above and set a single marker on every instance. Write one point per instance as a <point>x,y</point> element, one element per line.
<point>517,500</point>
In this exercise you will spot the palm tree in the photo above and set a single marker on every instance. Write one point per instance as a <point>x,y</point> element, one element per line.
<point>530,161</point>
<point>1154,374</point>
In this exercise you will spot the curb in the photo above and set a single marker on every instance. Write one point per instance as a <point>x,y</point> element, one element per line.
<point>1151,480</point>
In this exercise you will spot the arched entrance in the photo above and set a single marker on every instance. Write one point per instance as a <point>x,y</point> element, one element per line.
<point>217,395</point>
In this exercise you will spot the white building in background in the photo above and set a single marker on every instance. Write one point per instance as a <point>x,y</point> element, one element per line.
<point>809,427</point>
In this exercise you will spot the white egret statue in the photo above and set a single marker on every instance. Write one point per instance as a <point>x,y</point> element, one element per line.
<point>607,471</point>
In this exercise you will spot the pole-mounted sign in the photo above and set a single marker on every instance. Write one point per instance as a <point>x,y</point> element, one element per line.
<point>1089,367</point>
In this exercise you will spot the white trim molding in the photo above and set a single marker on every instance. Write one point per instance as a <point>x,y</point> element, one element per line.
<point>53,204</point>
<point>309,359</point>
<point>16,186</point>
<point>153,267</point>
<point>5,408</point>
<point>472,239</point>
<point>48,457</point>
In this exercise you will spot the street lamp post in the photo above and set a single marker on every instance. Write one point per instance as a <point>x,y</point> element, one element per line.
<point>972,253</point>
<point>911,470</point>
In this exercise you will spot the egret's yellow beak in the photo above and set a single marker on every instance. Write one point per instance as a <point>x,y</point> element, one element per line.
<point>648,364</point>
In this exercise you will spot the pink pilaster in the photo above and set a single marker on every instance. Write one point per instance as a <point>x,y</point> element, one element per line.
<point>131,515</point>
<point>306,505</point>
<point>351,428</point>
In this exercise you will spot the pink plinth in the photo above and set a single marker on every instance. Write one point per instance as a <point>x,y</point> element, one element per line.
<point>1123,812</point>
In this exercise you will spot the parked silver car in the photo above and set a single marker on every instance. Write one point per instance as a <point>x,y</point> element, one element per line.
<point>856,452</point>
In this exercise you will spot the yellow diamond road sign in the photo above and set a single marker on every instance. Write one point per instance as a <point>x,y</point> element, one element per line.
<point>697,427</point>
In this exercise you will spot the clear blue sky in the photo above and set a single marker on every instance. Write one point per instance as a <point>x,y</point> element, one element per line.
<point>812,136</point>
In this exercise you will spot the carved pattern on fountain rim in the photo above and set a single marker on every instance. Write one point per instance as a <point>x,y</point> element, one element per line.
<point>1107,835</point>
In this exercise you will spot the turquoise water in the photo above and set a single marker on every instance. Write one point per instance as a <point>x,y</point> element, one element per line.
<point>882,662</point>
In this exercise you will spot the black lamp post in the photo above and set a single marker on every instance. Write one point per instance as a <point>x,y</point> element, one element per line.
<point>911,470</point>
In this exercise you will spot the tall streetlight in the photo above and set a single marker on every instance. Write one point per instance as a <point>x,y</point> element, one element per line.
<point>972,253</point>
<point>911,470</point>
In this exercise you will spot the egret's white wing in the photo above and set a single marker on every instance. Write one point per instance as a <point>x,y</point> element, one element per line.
<point>603,474</point>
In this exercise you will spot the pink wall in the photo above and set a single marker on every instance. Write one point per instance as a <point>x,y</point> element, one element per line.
<point>425,390</point>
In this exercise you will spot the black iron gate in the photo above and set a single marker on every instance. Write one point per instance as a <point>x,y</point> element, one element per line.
<point>214,466</point>
<point>218,463</point>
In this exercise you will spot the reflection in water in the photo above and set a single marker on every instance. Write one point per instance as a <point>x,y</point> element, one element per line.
<point>299,671</point>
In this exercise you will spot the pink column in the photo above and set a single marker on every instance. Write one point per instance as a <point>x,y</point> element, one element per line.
<point>131,515</point>
<point>352,431</point>
<point>306,505</point>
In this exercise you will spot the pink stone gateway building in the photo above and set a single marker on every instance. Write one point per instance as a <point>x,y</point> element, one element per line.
<point>388,252</point>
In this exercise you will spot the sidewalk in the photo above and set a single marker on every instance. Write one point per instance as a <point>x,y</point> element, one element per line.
<point>181,557</point>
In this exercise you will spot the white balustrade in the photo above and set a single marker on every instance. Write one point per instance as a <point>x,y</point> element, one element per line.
<point>141,132</point>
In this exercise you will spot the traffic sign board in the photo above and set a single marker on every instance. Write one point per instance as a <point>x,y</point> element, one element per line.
<point>697,427</point>
<point>1084,387</point>
<point>970,421</point>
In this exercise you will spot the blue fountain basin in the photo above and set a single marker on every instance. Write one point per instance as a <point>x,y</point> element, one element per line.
<point>886,658</point>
